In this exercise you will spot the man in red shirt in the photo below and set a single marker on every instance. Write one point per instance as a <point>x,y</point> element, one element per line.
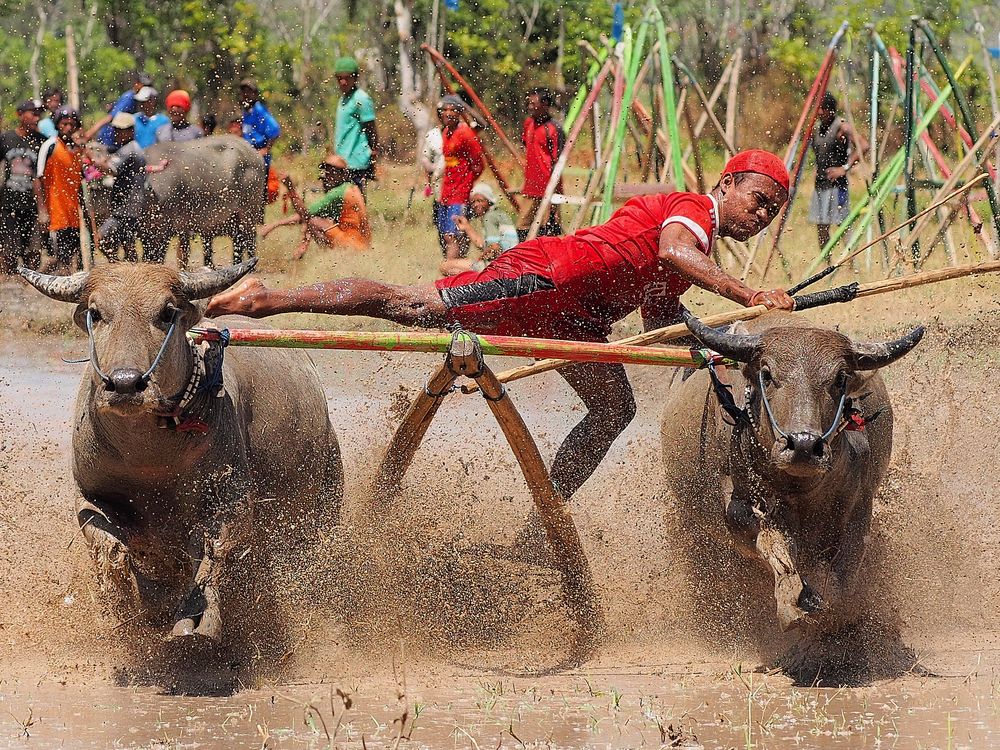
<point>463,163</point>
<point>543,140</point>
<point>648,254</point>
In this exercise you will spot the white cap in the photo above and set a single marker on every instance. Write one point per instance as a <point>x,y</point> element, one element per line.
<point>123,121</point>
<point>146,93</point>
<point>481,188</point>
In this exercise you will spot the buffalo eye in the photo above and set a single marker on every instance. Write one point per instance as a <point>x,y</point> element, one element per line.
<point>841,380</point>
<point>95,314</point>
<point>765,375</point>
<point>167,313</point>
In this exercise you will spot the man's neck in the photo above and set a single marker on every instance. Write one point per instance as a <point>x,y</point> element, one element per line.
<point>542,118</point>
<point>350,91</point>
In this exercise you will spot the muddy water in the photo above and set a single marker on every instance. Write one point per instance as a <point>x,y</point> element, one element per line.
<point>469,613</point>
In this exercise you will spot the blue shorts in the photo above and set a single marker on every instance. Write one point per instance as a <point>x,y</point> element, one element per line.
<point>444,217</point>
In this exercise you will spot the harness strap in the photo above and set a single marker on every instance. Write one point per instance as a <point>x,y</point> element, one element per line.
<point>724,393</point>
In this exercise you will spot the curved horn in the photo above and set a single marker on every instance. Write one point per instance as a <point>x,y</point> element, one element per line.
<point>741,347</point>
<point>871,355</point>
<point>62,288</point>
<point>209,283</point>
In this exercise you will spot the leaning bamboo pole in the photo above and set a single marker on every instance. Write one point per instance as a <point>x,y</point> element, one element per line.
<point>670,333</point>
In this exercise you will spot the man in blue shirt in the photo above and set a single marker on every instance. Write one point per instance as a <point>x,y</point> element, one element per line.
<point>260,129</point>
<point>147,119</point>
<point>355,135</point>
<point>126,103</point>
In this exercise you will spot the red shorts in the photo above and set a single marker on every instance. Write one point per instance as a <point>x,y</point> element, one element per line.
<point>519,294</point>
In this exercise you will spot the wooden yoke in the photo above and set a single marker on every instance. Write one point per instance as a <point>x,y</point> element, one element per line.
<point>466,358</point>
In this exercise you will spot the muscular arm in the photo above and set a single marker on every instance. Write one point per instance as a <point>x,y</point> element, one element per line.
<point>679,251</point>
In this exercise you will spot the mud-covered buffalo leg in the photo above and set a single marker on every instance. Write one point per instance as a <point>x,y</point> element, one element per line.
<point>741,521</point>
<point>201,613</point>
<point>795,599</point>
<point>108,546</point>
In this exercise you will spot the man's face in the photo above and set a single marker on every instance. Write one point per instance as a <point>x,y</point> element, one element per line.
<point>536,107</point>
<point>29,120</point>
<point>449,116</point>
<point>235,128</point>
<point>54,102</point>
<point>347,82</point>
<point>148,107</point>
<point>66,127</point>
<point>479,205</point>
<point>747,208</point>
<point>826,116</point>
<point>177,114</point>
<point>247,97</point>
<point>331,177</point>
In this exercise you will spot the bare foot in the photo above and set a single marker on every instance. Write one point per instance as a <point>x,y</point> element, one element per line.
<point>243,300</point>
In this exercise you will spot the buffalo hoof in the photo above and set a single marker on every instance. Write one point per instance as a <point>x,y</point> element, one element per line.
<point>199,615</point>
<point>209,628</point>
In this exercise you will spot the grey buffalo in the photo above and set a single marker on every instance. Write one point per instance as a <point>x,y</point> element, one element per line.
<point>189,458</point>
<point>788,474</point>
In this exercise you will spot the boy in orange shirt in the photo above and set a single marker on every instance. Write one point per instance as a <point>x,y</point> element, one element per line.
<point>60,175</point>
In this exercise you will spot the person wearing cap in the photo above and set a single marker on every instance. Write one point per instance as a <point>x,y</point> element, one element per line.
<point>338,219</point>
<point>128,192</point>
<point>179,128</point>
<point>59,182</point>
<point>147,119</point>
<point>837,148</point>
<point>463,163</point>
<point>125,103</point>
<point>260,129</point>
<point>18,207</point>
<point>576,287</point>
<point>543,141</point>
<point>498,233</point>
<point>53,98</point>
<point>355,135</point>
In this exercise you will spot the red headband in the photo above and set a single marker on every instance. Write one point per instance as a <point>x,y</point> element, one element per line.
<point>761,162</point>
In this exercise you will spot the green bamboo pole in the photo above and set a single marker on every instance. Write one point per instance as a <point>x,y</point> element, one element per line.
<point>420,341</point>
<point>581,95</point>
<point>669,103</point>
<point>633,59</point>
<point>963,107</point>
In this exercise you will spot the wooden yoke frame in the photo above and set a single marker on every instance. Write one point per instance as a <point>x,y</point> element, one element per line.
<point>465,358</point>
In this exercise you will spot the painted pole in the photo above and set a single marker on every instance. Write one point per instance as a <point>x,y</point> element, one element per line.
<point>576,106</point>
<point>420,341</point>
<point>875,62</point>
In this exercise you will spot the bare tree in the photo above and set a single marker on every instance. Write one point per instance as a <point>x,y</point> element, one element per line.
<point>409,78</point>
<point>36,50</point>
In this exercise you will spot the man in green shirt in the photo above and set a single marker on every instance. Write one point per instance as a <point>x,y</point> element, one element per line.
<point>355,135</point>
<point>498,231</point>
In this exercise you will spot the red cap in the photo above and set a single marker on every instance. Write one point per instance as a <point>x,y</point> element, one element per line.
<point>761,162</point>
<point>178,98</point>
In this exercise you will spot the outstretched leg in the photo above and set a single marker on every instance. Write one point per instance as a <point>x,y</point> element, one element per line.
<point>607,394</point>
<point>414,305</point>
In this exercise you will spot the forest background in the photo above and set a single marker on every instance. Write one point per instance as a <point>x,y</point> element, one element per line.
<point>502,47</point>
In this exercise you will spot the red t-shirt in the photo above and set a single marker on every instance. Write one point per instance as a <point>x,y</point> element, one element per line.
<point>463,163</point>
<point>541,144</point>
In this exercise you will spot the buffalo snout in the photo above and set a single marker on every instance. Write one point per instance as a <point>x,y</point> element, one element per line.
<point>802,453</point>
<point>126,381</point>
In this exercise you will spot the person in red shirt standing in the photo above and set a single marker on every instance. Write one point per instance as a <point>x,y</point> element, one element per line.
<point>649,253</point>
<point>543,140</point>
<point>463,163</point>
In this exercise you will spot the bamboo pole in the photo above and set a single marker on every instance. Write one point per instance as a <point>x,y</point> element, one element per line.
<point>438,57</point>
<point>546,203</point>
<point>557,521</point>
<point>708,107</point>
<point>732,98</point>
<point>670,333</point>
<point>702,120</point>
<point>909,107</point>
<point>670,108</point>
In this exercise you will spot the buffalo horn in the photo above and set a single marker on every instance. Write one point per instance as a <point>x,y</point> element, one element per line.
<point>208,283</point>
<point>871,355</point>
<point>741,347</point>
<point>62,288</point>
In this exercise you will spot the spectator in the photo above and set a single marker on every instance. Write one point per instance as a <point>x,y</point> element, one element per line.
<point>178,128</point>
<point>147,119</point>
<point>60,176</point>
<point>53,99</point>
<point>339,219</point>
<point>432,160</point>
<point>260,129</point>
<point>18,209</point>
<point>209,123</point>
<point>543,140</point>
<point>128,192</point>
<point>463,163</point>
<point>125,103</point>
<point>235,126</point>
<point>355,135</point>
<point>831,143</point>
<point>498,232</point>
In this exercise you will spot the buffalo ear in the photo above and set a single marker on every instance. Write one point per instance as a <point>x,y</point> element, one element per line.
<point>871,355</point>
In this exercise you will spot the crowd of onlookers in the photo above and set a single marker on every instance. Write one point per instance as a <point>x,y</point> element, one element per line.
<point>48,159</point>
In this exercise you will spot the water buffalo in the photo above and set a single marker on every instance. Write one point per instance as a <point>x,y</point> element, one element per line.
<point>189,462</point>
<point>788,474</point>
<point>213,187</point>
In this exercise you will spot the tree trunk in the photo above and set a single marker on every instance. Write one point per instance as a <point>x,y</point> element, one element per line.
<point>409,95</point>
<point>36,51</point>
